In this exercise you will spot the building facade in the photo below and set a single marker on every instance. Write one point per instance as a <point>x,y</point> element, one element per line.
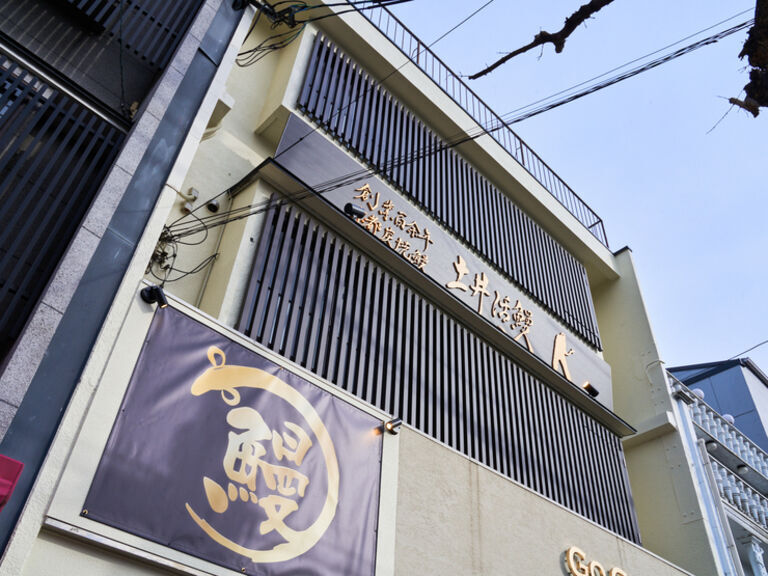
<point>388,338</point>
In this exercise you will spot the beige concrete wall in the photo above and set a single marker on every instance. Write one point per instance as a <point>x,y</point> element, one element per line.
<point>670,515</point>
<point>54,555</point>
<point>457,517</point>
<point>234,144</point>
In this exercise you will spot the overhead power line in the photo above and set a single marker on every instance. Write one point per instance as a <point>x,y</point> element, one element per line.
<point>460,24</point>
<point>633,61</point>
<point>509,118</point>
<point>748,350</point>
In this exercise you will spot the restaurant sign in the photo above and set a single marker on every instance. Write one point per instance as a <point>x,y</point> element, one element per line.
<point>221,453</point>
<point>399,224</point>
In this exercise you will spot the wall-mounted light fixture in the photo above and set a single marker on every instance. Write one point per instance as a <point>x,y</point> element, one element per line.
<point>393,426</point>
<point>711,445</point>
<point>152,294</point>
<point>591,390</point>
<point>742,469</point>
<point>353,211</point>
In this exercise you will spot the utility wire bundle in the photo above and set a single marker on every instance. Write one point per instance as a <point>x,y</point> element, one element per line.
<point>287,12</point>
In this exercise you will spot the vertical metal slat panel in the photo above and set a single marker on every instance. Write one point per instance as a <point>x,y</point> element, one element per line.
<point>356,110</point>
<point>54,155</point>
<point>372,335</point>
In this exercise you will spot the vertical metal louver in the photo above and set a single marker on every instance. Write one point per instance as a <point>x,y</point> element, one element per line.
<point>54,154</point>
<point>324,305</point>
<point>150,29</point>
<point>353,107</point>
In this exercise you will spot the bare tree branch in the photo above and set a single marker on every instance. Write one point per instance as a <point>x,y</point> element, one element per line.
<point>756,50</point>
<point>557,39</point>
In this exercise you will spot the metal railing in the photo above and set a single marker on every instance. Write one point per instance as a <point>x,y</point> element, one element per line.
<point>420,54</point>
<point>741,495</point>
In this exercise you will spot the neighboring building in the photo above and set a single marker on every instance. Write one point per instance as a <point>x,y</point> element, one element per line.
<point>736,387</point>
<point>342,246</point>
<point>720,405</point>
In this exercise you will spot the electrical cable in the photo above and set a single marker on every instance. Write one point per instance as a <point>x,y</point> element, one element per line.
<point>378,5</point>
<point>462,22</point>
<point>287,16</point>
<point>629,74</point>
<point>748,349</point>
<point>338,182</point>
<point>631,62</point>
<point>180,229</point>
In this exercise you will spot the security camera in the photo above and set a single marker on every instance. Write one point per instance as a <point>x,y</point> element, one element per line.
<point>213,205</point>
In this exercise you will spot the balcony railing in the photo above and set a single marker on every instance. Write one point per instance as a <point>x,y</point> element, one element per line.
<point>729,436</point>
<point>741,495</point>
<point>420,54</point>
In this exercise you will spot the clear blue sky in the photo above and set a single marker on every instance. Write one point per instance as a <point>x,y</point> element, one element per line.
<point>692,206</point>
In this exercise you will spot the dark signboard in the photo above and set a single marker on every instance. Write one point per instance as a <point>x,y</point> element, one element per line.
<point>221,453</point>
<point>399,224</point>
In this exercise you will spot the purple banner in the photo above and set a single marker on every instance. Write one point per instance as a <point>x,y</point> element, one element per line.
<point>224,455</point>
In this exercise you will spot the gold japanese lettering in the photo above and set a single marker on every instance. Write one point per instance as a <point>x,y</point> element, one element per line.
<point>500,307</point>
<point>412,230</point>
<point>388,235</point>
<point>522,320</point>
<point>244,451</point>
<point>282,479</point>
<point>461,270</point>
<point>401,246</point>
<point>479,290</point>
<point>370,223</point>
<point>386,208</point>
<point>277,509</point>
<point>297,445</point>
<point>253,479</point>
<point>418,259</point>
<point>426,236</point>
<point>365,192</point>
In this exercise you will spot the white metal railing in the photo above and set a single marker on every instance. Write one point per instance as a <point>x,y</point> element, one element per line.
<point>728,435</point>
<point>741,495</point>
